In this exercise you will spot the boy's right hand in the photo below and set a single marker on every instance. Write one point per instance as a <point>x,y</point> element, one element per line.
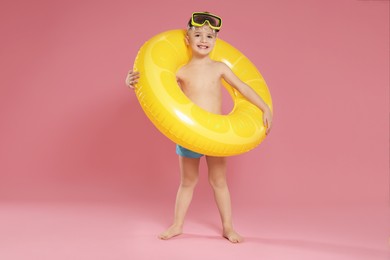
<point>132,78</point>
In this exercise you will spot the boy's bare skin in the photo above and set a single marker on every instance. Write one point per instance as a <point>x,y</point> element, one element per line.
<point>200,80</point>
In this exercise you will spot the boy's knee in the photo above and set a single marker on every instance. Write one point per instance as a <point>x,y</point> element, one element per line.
<point>217,183</point>
<point>189,182</point>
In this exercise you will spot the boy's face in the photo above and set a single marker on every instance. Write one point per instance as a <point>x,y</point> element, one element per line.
<point>201,39</point>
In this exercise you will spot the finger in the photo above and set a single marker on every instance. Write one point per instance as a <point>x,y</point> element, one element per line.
<point>136,76</point>
<point>134,73</point>
<point>130,84</point>
<point>132,77</point>
<point>267,124</point>
<point>269,127</point>
<point>133,84</point>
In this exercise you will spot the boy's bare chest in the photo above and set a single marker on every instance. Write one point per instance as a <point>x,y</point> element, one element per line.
<point>200,78</point>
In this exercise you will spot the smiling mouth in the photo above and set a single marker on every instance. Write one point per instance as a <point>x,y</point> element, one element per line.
<point>203,47</point>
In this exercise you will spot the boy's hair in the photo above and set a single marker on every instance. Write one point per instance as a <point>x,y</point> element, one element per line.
<point>189,25</point>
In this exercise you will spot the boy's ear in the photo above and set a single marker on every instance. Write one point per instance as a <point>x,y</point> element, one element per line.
<point>186,39</point>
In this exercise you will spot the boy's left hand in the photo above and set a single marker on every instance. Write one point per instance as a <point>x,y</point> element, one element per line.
<point>267,120</point>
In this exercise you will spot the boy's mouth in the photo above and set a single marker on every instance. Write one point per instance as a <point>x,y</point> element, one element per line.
<point>203,46</point>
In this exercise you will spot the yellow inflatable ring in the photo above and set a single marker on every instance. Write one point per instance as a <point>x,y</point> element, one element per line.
<point>178,118</point>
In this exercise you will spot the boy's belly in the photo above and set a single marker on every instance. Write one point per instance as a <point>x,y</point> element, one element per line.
<point>210,104</point>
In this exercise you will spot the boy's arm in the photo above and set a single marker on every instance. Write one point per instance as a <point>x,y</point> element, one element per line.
<point>231,78</point>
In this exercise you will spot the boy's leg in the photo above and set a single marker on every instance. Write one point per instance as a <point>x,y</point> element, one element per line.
<point>189,171</point>
<point>217,179</point>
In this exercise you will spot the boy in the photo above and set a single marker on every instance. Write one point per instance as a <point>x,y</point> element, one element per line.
<point>200,80</point>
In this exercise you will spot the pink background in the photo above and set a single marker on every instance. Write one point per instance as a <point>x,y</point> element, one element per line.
<point>80,161</point>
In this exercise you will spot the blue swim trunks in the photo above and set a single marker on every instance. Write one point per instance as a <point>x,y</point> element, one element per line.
<point>180,150</point>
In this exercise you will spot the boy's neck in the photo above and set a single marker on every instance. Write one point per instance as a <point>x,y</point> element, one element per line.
<point>200,59</point>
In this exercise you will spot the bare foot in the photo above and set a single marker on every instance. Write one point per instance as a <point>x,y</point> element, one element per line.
<point>172,231</point>
<point>232,236</point>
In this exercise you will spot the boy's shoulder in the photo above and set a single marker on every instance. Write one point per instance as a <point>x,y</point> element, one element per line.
<point>218,64</point>
<point>221,66</point>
